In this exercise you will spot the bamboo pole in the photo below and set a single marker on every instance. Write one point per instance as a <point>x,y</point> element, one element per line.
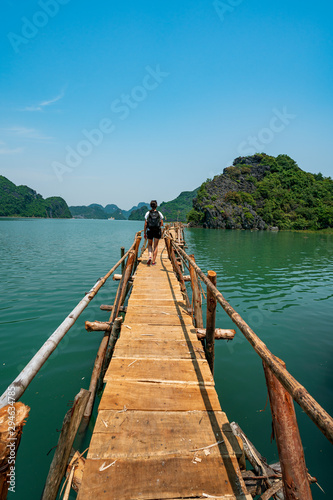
<point>12,419</point>
<point>95,376</point>
<point>68,432</point>
<point>196,297</point>
<point>210,323</point>
<point>294,473</point>
<point>31,369</point>
<point>311,407</point>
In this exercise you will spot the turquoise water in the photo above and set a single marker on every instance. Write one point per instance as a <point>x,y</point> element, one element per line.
<point>281,284</point>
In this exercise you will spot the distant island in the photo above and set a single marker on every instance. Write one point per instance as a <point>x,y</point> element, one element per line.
<point>255,192</point>
<point>111,211</point>
<point>22,201</point>
<point>263,192</point>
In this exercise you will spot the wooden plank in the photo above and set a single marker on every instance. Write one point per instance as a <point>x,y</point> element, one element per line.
<point>153,370</point>
<point>157,319</point>
<point>156,302</point>
<point>159,349</point>
<point>172,477</point>
<point>142,306</point>
<point>171,295</point>
<point>164,334</point>
<point>158,397</point>
<point>145,434</point>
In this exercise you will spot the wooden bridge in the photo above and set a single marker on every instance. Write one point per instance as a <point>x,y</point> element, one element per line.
<point>160,431</point>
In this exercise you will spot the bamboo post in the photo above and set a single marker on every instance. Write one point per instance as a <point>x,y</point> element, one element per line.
<point>122,253</point>
<point>68,432</point>
<point>32,368</point>
<point>12,419</point>
<point>311,407</point>
<point>111,343</point>
<point>180,277</point>
<point>95,376</point>
<point>168,244</point>
<point>196,297</point>
<point>210,322</point>
<point>294,473</point>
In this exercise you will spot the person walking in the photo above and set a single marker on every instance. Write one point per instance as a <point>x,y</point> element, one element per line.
<point>153,231</point>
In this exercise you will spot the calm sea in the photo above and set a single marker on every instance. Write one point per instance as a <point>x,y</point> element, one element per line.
<point>280,283</point>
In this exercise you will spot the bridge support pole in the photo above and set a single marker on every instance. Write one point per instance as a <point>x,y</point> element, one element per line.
<point>210,322</point>
<point>122,253</point>
<point>196,297</point>
<point>294,473</point>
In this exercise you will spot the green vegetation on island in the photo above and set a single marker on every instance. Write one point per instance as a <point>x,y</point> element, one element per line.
<point>261,191</point>
<point>22,201</point>
<point>177,209</point>
<point>139,213</point>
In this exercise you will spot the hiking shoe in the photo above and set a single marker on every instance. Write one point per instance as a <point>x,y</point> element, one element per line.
<point>149,261</point>
<point>154,264</point>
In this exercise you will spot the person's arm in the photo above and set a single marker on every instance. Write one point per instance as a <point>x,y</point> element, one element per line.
<point>145,230</point>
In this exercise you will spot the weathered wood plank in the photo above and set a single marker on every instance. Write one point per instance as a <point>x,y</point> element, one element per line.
<point>160,370</point>
<point>159,349</point>
<point>159,397</point>
<point>143,434</point>
<point>158,319</point>
<point>172,477</point>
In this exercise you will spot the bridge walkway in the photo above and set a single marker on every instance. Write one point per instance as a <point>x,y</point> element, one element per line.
<point>160,431</point>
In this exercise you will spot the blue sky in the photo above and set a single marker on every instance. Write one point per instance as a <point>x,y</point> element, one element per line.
<point>121,102</point>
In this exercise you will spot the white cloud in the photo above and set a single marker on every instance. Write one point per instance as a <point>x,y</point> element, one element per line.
<point>25,133</point>
<point>43,104</point>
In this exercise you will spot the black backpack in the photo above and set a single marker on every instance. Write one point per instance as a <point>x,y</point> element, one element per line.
<point>154,219</point>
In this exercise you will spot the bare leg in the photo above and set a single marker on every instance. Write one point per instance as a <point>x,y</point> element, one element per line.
<point>156,240</point>
<point>150,249</point>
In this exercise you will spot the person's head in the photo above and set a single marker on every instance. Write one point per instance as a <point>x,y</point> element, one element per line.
<point>153,204</point>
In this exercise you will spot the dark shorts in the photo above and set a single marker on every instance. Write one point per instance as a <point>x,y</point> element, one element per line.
<point>154,232</point>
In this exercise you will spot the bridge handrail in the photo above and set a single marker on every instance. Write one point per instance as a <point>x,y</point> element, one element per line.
<point>297,391</point>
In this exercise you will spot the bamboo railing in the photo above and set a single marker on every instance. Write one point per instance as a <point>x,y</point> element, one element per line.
<point>28,373</point>
<point>311,407</point>
<point>282,386</point>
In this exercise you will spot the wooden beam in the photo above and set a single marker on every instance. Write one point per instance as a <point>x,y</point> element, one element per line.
<point>196,297</point>
<point>220,333</point>
<point>95,376</point>
<point>69,429</point>
<point>98,326</point>
<point>210,322</point>
<point>288,440</point>
<point>117,277</point>
<point>12,419</point>
<point>105,307</point>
